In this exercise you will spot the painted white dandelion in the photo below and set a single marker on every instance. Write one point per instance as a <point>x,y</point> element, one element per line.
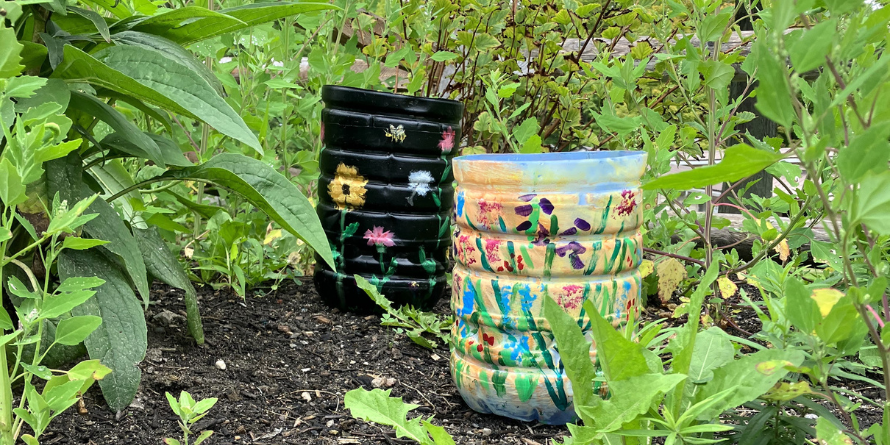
<point>420,182</point>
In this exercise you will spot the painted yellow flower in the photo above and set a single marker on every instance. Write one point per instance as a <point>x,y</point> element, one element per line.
<point>347,190</point>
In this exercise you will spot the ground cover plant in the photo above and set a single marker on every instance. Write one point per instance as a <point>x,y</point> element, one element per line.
<point>109,169</point>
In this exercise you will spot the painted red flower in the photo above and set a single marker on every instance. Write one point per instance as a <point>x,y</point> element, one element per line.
<point>519,264</point>
<point>628,203</point>
<point>572,298</point>
<point>447,142</point>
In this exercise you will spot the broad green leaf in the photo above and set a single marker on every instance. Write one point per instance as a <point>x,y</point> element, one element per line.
<point>170,50</point>
<point>79,283</point>
<point>97,20</point>
<point>187,27</point>
<point>840,323</point>
<point>88,369</point>
<point>749,380</point>
<point>738,162</point>
<point>202,437</point>
<point>10,48</point>
<point>621,125</point>
<point>801,310</point>
<point>24,86</point>
<point>72,331</point>
<point>119,9</point>
<point>526,130</point>
<point>442,56</point>
<point>872,203</point>
<point>713,25</point>
<point>40,371</point>
<point>438,433</point>
<point>868,152</point>
<point>180,84</point>
<point>121,341</point>
<point>378,407</point>
<point>773,91</point>
<point>170,153</point>
<point>717,74</point>
<point>55,90</point>
<point>77,243</point>
<point>809,51</point>
<point>12,191</point>
<point>828,434</point>
<point>61,397</point>
<point>574,351</point>
<point>630,399</point>
<point>5,320</point>
<point>5,234</point>
<point>712,349</point>
<point>269,191</point>
<point>58,305</point>
<point>163,265</point>
<point>121,125</point>
<point>619,357</point>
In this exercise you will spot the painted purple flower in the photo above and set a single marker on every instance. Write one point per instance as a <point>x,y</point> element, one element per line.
<point>569,232</point>
<point>528,197</point>
<point>523,226</point>
<point>573,249</point>
<point>524,210</point>
<point>546,205</point>
<point>581,224</point>
<point>541,237</point>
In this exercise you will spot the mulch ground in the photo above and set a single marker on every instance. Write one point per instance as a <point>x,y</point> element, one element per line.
<point>289,359</point>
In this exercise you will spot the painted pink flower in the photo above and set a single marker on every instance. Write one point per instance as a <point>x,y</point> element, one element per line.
<point>378,237</point>
<point>465,250</point>
<point>322,133</point>
<point>489,212</point>
<point>492,250</point>
<point>447,142</point>
<point>628,203</point>
<point>572,296</point>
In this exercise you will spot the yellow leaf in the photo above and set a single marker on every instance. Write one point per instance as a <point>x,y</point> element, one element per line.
<point>826,299</point>
<point>787,391</point>
<point>646,268</point>
<point>271,236</point>
<point>783,250</point>
<point>670,273</point>
<point>727,287</point>
<point>770,367</point>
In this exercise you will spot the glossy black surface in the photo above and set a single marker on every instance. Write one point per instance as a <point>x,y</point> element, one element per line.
<point>386,165</point>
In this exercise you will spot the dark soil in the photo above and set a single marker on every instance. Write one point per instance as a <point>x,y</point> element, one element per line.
<point>289,360</point>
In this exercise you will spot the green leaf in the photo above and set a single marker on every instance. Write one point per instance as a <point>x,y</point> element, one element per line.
<point>97,20</point>
<point>202,437</point>
<point>619,357</point>
<point>872,203</point>
<point>526,130</point>
<point>187,27</point>
<point>621,125</point>
<point>269,191</point>
<point>712,349</point>
<point>124,128</point>
<point>170,154</point>
<point>828,434</point>
<point>24,86</point>
<point>12,191</point>
<point>163,265</point>
<point>717,74</point>
<point>868,152</point>
<point>79,283</point>
<point>713,25</point>
<point>58,305</point>
<point>121,341</point>
<point>378,407</point>
<point>5,321</point>
<point>749,381</point>
<point>10,48</point>
<point>119,9</point>
<point>809,51</point>
<point>840,323</point>
<point>738,162</point>
<point>54,90</point>
<point>40,371</point>
<point>442,56</point>
<point>5,234</point>
<point>574,350</point>
<point>72,331</point>
<point>630,399</point>
<point>76,243</point>
<point>801,310</point>
<point>180,84</point>
<point>773,91</point>
<point>170,50</point>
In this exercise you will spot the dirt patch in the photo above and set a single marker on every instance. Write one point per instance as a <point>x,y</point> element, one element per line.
<point>288,361</point>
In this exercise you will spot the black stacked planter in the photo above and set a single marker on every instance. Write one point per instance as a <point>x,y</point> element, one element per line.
<point>385,195</point>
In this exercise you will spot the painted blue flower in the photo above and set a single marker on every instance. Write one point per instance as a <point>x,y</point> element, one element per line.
<point>469,300</point>
<point>461,199</point>
<point>527,297</point>
<point>506,292</point>
<point>517,349</point>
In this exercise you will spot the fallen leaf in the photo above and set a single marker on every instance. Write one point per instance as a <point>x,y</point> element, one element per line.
<point>727,287</point>
<point>783,250</point>
<point>670,273</point>
<point>646,268</point>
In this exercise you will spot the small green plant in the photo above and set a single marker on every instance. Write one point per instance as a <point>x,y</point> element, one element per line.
<point>377,406</point>
<point>189,412</point>
<point>408,320</point>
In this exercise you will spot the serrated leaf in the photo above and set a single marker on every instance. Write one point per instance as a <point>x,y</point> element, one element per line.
<point>670,273</point>
<point>630,398</point>
<point>269,191</point>
<point>378,407</point>
<point>122,339</point>
<point>738,162</point>
<point>12,191</point>
<point>10,48</point>
<point>574,350</point>
<point>619,357</point>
